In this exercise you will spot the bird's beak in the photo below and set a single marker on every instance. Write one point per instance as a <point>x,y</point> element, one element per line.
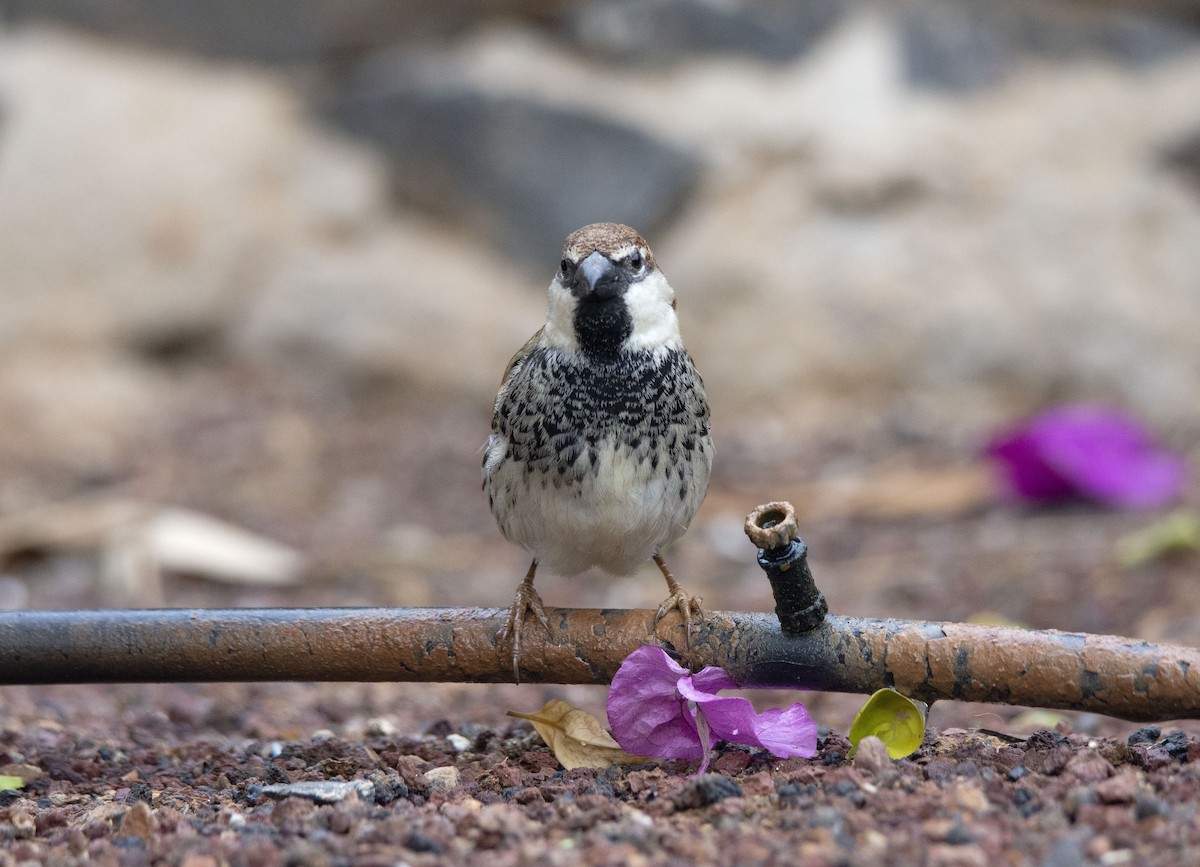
<point>600,277</point>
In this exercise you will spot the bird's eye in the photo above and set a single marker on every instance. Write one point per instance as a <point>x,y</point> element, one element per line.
<point>635,260</point>
<point>564,267</point>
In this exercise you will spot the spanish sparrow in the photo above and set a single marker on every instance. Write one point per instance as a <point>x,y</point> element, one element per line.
<point>600,449</point>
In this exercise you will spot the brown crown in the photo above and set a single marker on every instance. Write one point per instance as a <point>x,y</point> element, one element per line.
<point>608,238</point>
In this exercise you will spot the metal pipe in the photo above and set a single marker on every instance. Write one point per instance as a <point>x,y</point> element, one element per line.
<point>924,660</point>
<point>1119,677</point>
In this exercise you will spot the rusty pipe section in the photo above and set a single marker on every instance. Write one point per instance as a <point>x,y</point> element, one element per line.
<point>1119,677</point>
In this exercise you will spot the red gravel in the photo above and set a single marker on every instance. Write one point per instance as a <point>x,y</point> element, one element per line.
<point>167,785</point>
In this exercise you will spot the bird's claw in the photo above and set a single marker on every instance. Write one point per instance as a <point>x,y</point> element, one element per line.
<point>687,605</point>
<point>526,601</point>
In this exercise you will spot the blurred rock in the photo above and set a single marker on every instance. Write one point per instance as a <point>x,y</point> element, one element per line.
<point>152,209</point>
<point>70,408</point>
<point>135,192</point>
<point>1037,248</point>
<point>405,304</point>
<point>961,45</point>
<point>265,30</point>
<point>1184,157</point>
<point>663,31</point>
<point>956,46</point>
<point>833,233</point>
<point>524,172</point>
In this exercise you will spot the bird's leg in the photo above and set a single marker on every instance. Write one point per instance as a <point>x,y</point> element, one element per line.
<point>526,600</point>
<point>678,598</point>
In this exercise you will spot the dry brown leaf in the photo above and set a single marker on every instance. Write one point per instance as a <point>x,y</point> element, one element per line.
<point>881,492</point>
<point>577,738</point>
<point>904,492</point>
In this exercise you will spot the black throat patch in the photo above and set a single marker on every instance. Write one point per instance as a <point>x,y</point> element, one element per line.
<point>602,325</point>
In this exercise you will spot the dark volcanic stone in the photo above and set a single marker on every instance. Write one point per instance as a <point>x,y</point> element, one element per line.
<point>1174,745</point>
<point>1144,735</point>
<point>661,31</point>
<point>419,842</point>
<point>522,172</point>
<point>965,46</point>
<point>706,789</point>
<point>265,30</point>
<point>1183,157</point>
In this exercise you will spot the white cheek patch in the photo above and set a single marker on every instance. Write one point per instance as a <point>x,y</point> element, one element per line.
<point>651,305</point>
<point>559,332</point>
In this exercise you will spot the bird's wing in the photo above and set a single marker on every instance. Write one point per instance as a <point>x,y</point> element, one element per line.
<point>506,383</point>
<point>521,354</point>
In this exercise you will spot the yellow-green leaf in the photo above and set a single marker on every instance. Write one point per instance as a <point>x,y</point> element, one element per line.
<point>1176,533</point>
<point>577,738</point>
<point>8,783</point>
<point>895,719</point>
<point>1036,718</point>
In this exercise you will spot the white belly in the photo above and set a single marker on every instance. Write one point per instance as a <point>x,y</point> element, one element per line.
<point>616,515</point>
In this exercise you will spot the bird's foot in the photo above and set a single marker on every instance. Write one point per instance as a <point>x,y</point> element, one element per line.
<point>685,603</point>
<point>527,601</point>
<point>689,607</point>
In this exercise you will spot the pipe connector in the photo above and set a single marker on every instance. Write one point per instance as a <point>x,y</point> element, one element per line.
<point>782,554</point>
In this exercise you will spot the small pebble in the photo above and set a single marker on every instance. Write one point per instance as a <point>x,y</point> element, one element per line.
<point>271,750</point>
<point>1146,735</point>
<point>443,779</point>
<point>1088,766</point>
<point>23,825</point>
<point>1119,789</point>
<point>705,790</point>
<point>872,755</point>
<point>378,727</point>
<point>1174,745</point>
<point>322,791</point>
<point>1078,796</point>
<point>971,798</point>
<point>1146,806</point>
<point>139,822</point>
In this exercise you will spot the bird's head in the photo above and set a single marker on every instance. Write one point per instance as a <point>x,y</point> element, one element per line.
<point>608,295</point>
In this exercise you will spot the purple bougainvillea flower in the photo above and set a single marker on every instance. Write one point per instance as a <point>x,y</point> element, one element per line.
<point>1091,451</point>
<point>646,714</point>
<point>656,707</point>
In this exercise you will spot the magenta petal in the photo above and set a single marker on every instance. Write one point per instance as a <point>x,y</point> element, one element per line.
<point>1025,472</point>
<point>711,679</point>
<point>1088,450</point>
<point>647,715</point>
<point>784,732</point>
<point>1111,457</point>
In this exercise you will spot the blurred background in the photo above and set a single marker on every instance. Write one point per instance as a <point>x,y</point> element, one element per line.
<point>262,264</point>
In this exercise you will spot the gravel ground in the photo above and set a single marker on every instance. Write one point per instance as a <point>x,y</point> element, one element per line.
<point>176,775</point>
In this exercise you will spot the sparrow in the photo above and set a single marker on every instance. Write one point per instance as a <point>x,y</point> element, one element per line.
<point>600,450</point>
